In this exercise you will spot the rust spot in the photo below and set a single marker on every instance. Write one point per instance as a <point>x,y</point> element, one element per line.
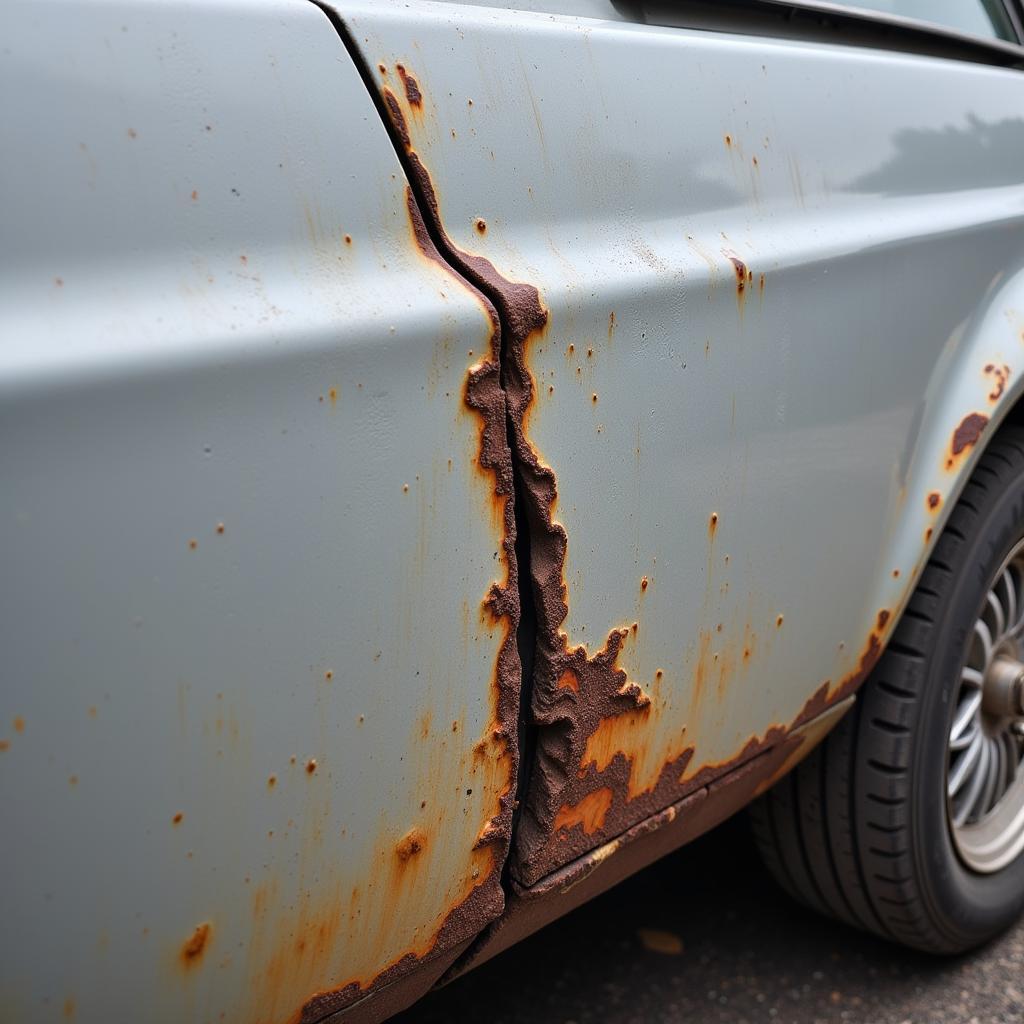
<point>934,499</point>
<point>593,397</point>
<point>332,394</point>
<point>410,845</point>
<point>743,275</point>
<point>412,89</point>
<point>481,225</point>
<point>195,195</point>
<point>383,70</point>
<point>311,766</point>
<point>348,239</point>
<point>19,724</point>
<point>195,944</point>
<point>1000,377</point>
<point>967,433</point>
<point>177,819</point>
<point>193,544</point>
<point>778,622</point>
<point>271,782</point>
<point>329,675</point>
<point>589,814</point>
<point>69,1008</point>
<point>5,745</point>
<point>928,534</point>
<point>761,282</point>
<point>895,574</point>
<point>658,673</point>
<point>713,525</point>
<point>643,582</point>
<point>728,140</point>
<point>72,780</point>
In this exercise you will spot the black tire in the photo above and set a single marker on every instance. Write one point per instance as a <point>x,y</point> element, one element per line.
<point>859,830</point>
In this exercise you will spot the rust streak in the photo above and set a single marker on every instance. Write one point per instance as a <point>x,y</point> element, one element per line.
<point>194,946</point>
<point>411,86</point>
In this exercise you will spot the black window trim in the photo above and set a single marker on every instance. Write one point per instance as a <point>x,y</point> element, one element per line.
<point>836,22</point>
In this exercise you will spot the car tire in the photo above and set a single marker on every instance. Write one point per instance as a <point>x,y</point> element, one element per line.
<point>865,829</point>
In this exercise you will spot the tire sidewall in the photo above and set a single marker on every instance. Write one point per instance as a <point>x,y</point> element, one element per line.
<point>965,906</point>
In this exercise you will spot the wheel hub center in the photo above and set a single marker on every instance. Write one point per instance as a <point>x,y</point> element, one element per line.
<point>1002,692</point>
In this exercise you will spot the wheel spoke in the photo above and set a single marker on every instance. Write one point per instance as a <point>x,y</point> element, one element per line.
<point>964,717</point>
<point>986,639</point>
<point>997,611</point>
<point>993,775</point>
<point>972,676</point>
<point>1011,597</point>
<point>958,776</point>
<point>977,776</point>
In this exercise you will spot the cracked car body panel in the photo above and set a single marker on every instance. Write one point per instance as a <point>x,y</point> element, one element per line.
<point>729,426</point>
<point>252,766</point>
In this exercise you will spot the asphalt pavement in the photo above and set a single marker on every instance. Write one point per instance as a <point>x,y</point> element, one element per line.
<point>705,936</point>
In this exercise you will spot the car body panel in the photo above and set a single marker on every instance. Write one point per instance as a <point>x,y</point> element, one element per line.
<point>247,754</point>
<point>758,305</point>
<point>767,317</point>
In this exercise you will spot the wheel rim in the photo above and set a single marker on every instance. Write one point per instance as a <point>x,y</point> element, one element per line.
<point>984,772</point>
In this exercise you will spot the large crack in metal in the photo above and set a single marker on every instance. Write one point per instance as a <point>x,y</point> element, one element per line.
<point>565,803</point>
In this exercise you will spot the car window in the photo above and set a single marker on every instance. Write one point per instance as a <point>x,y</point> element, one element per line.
<point>977,17</point>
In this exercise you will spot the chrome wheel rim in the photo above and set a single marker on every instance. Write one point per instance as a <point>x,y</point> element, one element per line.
<point>984,772</point>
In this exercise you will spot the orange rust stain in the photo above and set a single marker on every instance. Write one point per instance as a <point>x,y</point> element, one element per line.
<point>934,499</point>
<point>348,239</point>
<point>193,544</point>
<point>614,735</point>
<point>410,845</point>
<point>589,813</point>
<point>5,745</point>
<point>332,394</point>
<point>383,70</point>
<point>195,944</point>
<point>1000,377</point>
<point>593,397</point>
<point>883,618</point>
<point>271,782</point>
<point>778,622</point>
<point>928,534</point>
<point>568,680</point>
<point>643,582</point>
<point>481,225</point>
<point>177,819</point>
<point>69,1008</point>
<point>728,140</point>
<point>895,574</point>
<point>220,528</point>
<point>19,724</point>
<point>311,766</point>
<point>329,675</point>
<point>195,195</point>
<point>713,525</point>
<point>425,725</point>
